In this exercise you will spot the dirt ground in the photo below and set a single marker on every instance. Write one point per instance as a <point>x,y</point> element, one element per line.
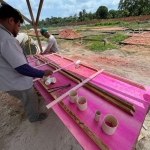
<point>16,133</point>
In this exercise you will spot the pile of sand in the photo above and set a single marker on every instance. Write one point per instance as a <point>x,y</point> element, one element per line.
<point>137,40</point>
<point>69,34</point>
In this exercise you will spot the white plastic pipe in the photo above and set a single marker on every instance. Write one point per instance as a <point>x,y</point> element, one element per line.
<point>76,65</point>
<point>74,88</point>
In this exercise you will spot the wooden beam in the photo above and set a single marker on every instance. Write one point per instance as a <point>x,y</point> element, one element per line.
<point>123,105</point>
<point>39,11</point>
<point>28,20</point>
<point>25,18</point>
<point>74,88</point>
<point>87,130</point>
<point>34,25</point>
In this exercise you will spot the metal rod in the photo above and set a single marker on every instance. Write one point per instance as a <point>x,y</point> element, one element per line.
<point>58,88</point>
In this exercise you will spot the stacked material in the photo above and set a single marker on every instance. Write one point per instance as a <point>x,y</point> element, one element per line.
<point>69,34</point>
<point>135,40</point>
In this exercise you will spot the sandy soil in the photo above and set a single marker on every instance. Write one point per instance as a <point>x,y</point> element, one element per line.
<point>16,133</point>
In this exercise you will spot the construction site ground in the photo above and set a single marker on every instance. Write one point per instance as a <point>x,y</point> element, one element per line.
<point>17,133</point>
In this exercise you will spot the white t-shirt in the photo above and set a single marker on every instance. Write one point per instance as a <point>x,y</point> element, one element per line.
<point>52,46</point>
<point>11,56</point>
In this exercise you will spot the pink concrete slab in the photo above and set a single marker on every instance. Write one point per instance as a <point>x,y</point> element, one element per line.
<point>63,62</point>
<point>128,129</point>
<point>126,91</point>
<point>82,71</point>
<point>76,131</point>
<point>129,126</point>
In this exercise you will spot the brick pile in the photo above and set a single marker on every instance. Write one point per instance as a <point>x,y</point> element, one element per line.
<point>69,34</point>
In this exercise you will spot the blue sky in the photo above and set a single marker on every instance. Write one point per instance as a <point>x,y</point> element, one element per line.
<point>62,8</point>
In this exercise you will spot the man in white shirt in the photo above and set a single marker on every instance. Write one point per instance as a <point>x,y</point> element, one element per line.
<point>52,46</point>
<point>15,73</point>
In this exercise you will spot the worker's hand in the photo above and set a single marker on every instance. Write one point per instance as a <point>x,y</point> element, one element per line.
<point>47,72</point>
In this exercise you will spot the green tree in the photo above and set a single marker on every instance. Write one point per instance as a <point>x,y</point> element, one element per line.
<point>75,18</point>
<point>81,16</point>
<point>134,7</point>
<point>84,14</point>
<point>119,14</point>
<point>112,13</point>
<point>102,12</point>
<point>90,16</point>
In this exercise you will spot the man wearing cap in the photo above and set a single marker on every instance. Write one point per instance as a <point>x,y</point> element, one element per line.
<point>15,72</point>
<point>52,46</point>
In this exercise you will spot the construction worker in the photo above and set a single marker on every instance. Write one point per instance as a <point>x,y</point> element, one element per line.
<point>15,73</point>
<point>52,46</point>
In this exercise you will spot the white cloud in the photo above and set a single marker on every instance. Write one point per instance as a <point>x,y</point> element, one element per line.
<point>62,8</point>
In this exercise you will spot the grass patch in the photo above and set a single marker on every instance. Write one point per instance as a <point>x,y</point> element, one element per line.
<point>99,46</point>
<point>79,30</point>
<point>97,37</point>
<point>118,37</point>
<point>112,24</point>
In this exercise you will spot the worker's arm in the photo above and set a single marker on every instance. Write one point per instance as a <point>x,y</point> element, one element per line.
<point>32,72</point>
<point>48,48</point>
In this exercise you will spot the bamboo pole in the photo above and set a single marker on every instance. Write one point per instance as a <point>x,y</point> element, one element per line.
<point>39,11</point>
<point>34,25</point>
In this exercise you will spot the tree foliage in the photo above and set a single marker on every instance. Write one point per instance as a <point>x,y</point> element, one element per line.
<point>102,12</point>
<point>125,8</point>
<point>112,13</point>
<point>134,7</point>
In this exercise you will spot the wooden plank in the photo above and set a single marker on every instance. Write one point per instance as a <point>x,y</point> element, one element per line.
<point>83,64</point>
<point>28,20</point>
<point>120,100</point>
<point>75,88</point>
<point>49,64</point>
<point>35,28</point>
<point>122,104</point>
<point>69,76</point>
<point>39,11</point>
<point>73,75</point>
<point>97,141</point>
<point>109,98</point>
